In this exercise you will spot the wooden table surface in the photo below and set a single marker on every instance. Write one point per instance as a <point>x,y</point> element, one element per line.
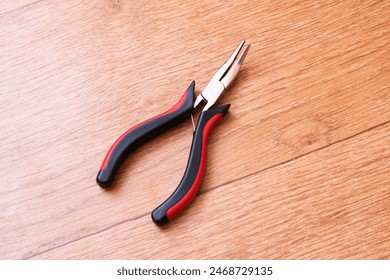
<point>298,169</point>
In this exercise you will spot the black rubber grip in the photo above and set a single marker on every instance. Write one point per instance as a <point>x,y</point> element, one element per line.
<point>194,172</point>
<point>141,133</point>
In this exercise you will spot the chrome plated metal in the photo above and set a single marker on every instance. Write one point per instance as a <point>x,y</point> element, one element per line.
<point>223,78</point>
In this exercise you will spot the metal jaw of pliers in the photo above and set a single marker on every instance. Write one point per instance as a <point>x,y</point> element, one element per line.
<point>139,134</point>
<point>223,78</point>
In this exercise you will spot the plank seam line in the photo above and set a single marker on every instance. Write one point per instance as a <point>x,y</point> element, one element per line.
<point>85,236</point>
<point>297,157</point>
<point>200,193</point>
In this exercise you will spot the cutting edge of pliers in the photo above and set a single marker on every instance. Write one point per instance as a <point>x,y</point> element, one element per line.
<point>144,131</point>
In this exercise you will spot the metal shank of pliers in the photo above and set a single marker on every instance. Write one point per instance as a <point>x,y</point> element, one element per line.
<point>223,78</point>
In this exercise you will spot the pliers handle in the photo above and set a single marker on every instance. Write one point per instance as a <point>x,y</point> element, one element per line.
<point>141,133</point>
<point>153,127</point>
<point>196,166</point>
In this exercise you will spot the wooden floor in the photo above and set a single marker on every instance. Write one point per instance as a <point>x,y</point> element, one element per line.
<point>298,169</point>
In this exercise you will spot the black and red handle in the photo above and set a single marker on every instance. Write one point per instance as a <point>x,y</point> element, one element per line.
<point>195,169</point>
<point>141,133</point>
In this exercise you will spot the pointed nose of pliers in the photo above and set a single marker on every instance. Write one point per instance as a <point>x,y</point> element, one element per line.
<point>223,77</point>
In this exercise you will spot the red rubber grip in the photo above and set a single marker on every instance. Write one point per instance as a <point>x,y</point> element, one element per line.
<point>182,204</point>
<point>173,109</point>
<point>141,133</point>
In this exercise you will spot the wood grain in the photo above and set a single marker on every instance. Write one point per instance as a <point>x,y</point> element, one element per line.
<point>299,168</point>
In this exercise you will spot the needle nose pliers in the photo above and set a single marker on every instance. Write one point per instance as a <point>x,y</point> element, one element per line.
<point>149,129</point>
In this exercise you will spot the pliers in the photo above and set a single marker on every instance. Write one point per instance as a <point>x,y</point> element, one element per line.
<point>149,129</point>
